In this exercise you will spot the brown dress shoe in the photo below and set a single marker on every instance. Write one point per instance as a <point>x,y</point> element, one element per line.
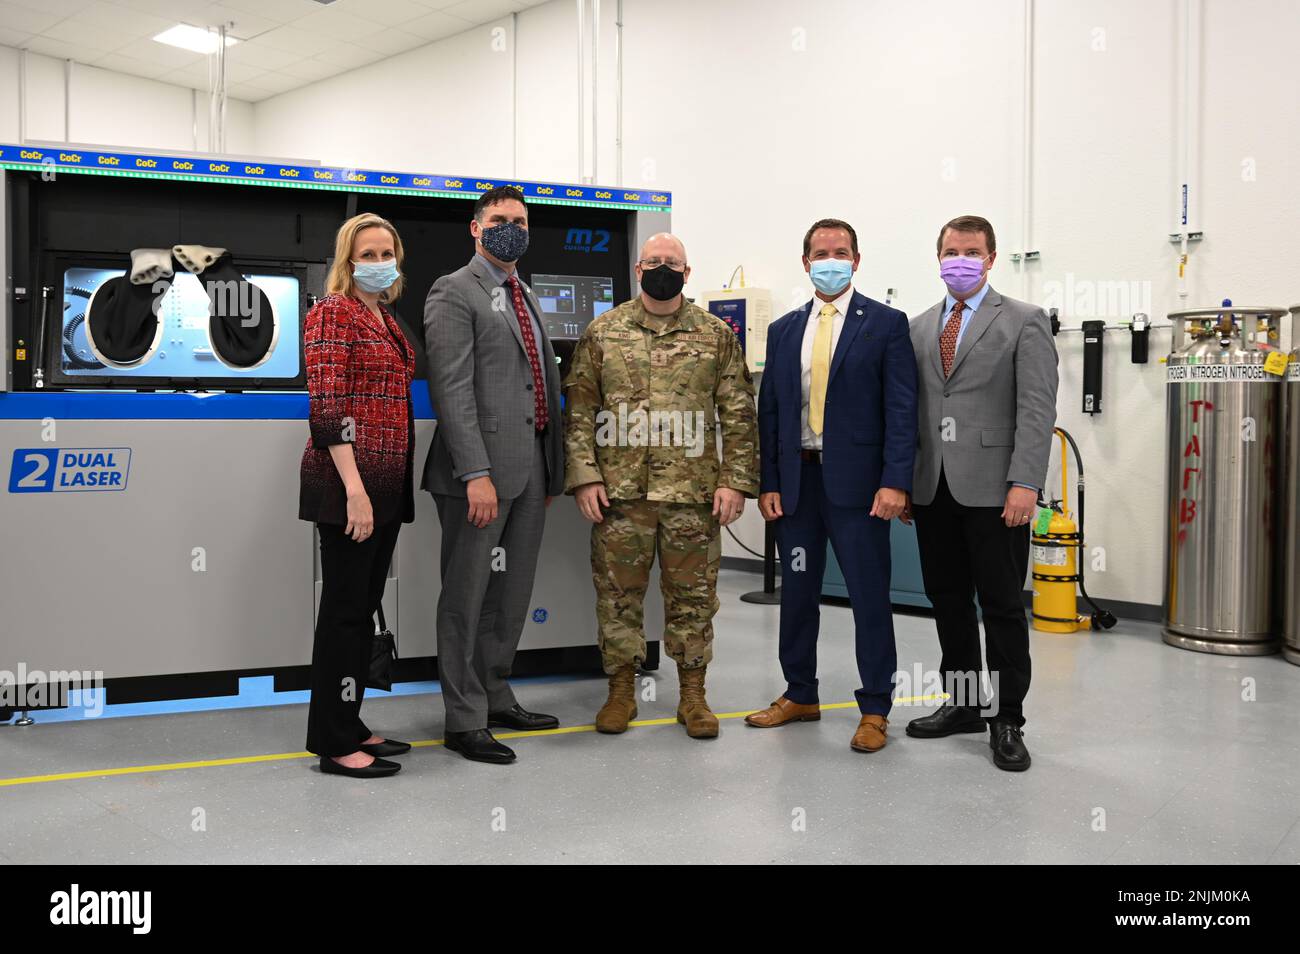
<point>870,736</point>
<point>783,711</point>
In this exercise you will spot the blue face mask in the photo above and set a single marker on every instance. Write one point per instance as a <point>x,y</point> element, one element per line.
<point>830,275</point>
<point>374,277</point>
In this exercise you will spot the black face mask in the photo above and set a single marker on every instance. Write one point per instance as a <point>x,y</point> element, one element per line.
<point>662,283</point>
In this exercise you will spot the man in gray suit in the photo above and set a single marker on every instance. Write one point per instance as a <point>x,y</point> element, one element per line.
<point>987,405</point>
<point>497,460</point>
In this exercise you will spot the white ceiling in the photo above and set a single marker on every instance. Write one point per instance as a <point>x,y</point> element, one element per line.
<point>284,43</point>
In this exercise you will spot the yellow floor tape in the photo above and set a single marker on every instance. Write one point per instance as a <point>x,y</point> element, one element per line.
<point>286,756</point>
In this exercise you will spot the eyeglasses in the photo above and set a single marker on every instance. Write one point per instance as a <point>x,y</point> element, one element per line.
<point>675,264</point>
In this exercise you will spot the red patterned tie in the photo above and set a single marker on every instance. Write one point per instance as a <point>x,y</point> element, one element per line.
<point>540,413</point>
<point>948,340</point>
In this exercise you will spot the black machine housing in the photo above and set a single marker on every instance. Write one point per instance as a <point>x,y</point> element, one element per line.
<point>73,221</point>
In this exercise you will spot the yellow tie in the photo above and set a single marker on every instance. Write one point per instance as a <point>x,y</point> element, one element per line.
<point>821,367</point>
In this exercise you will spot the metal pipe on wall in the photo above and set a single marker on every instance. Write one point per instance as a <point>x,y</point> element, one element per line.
<point>514,94</point>
<point>222,117</point>
<point>581,131</point>
<point>67,100</point>
<point>618,94</point>
<point>1027,153</point>
<point>22,95</point>
<point>595,87</point>
<point>212,92</point>
<point>212,98</point>
<point>217,94</point>
<point>1189,134</point>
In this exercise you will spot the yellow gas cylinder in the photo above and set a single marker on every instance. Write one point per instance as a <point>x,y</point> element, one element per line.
<point>1055,552</point>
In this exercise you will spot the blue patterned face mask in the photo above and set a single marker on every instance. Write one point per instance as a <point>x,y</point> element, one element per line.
<point>506,242</point>
<point>374,277</point>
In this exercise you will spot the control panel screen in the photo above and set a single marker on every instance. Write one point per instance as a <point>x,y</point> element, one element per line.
<point>571,302</point>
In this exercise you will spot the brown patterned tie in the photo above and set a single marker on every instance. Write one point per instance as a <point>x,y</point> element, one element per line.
<point>948,340</point>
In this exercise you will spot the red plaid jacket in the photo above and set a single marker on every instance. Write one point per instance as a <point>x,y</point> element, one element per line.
<point>359,372</point>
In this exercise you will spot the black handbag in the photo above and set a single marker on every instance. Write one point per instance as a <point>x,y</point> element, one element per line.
<point>383,650</point>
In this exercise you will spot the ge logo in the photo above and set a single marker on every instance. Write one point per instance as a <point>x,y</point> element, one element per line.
<point>539,615</point>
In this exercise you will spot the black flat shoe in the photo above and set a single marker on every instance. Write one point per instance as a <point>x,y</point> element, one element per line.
<point>949,720</point>
<point>517,717</point>
<point>1006,739</point>
<point>385,748</point>
<point>379,768</point>
<point>477,745</point>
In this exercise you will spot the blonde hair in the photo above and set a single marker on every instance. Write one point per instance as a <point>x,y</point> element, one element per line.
<point>339,281</point>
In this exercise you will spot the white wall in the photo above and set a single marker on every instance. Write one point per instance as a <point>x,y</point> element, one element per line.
<point>108,108</point>
<point>439,108</point>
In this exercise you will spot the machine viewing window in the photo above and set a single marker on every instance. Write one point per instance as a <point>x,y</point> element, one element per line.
<point>182,347</point>
<point>570,302</point>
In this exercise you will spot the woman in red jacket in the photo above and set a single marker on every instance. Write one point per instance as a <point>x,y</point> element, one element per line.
<point>356,481</point>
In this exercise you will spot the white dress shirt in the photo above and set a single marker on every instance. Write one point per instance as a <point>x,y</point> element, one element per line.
<point>810,440</point>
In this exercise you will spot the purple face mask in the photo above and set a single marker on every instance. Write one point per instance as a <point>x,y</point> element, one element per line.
<point>961,273</point>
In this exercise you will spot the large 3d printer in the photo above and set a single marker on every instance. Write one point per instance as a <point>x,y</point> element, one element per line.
<point>150,518</point>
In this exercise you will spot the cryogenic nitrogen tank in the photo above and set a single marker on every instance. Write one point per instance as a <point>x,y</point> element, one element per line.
<point>1291,580</point>
<point>1225,378</point>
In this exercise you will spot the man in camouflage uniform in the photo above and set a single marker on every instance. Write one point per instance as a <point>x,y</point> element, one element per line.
<point>652,383</point>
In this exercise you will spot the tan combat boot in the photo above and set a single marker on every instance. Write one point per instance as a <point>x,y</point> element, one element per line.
<point>693,711</point>
<point>620,707</point>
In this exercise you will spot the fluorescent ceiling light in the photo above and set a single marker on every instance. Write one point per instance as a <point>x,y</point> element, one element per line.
<point>192,38</point>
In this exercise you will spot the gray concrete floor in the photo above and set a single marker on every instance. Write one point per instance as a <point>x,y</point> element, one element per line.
<point>1142,754</point>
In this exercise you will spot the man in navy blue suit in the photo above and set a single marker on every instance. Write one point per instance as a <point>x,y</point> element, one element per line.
<point>837,439</point>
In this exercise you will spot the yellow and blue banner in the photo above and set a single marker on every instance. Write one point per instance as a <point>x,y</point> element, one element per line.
<point>246,172</point>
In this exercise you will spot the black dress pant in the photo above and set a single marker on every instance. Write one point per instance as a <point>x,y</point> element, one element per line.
<point>965,552</point>
<point>352,584</point>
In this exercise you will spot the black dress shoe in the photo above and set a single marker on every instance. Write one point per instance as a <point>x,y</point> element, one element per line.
<point>517,717</point>
<point>379,768</point>
<point>1008,745</point>
<point>949,720</point>
<point>477,745</point>
<point>385,748</point>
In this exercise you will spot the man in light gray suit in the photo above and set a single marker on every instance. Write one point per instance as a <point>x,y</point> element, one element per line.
<point>986,408</point>
<point>497,460</point>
